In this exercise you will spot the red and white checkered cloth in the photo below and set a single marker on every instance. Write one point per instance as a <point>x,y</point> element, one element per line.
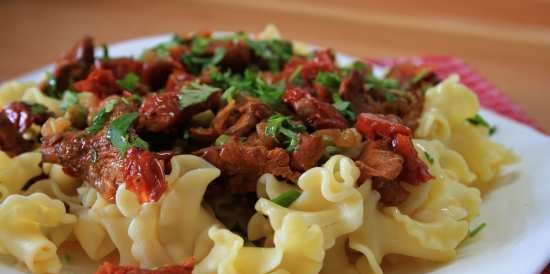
<point>489,96</point>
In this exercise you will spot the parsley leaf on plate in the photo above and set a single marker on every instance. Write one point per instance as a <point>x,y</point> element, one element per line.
<point>98,122</point>
<point>429,157</point>
<point>296,77</point>
<point>381,84</point>
<point>119,136</point>
<point>331,81</point>
<point>279,125</point>
<point>105,51</point>
<point>287,198</point>
<point>195,93</point>
<point>472,233</point>
<point>274,52</point>
<point>478,120</point>
<point>70,98</point>
<point>129,81</point>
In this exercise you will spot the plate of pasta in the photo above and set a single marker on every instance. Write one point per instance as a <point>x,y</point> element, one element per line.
<point>233,153</point>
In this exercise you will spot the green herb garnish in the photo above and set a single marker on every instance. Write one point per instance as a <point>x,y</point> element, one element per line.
<point>199,44</point>
<point>101,117</point>
<point>269,94</point>
<point>195,93</point>
<point>229,93</point>
<point>162,50</point>
<point>119,136</point>
<point>344,107</point>
<point>420,75</point>
<point>331,81</point>
<point>381,84</point>
<point>429,157</point>
<point>279,125</point>
<point>478,120</point>
<point>38,109</point>
<point>129,81</point>
<point>51,86</point>
<point>250,83</point>
<point>274,52</point>
<point>287,198</point>
<point>330,150</point>
<point>296,77</point>
<point>196,63</point>
<point>221,140</point>
<point>390,97</point>
<point>105,51</point>
<point>70,98</point>
<point>475,231</point>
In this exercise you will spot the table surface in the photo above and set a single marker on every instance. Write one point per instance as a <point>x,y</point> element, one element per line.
<point>507,42</point>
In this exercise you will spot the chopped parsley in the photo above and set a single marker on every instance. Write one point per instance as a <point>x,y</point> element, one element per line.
<point>296,77</point>
<point>331,81</point>
<point>274,52</point>
<point>229,93</point>
<point>287,198</point>
<point>70,98</point>
<point>98,122</point>
<point>194,94</point>
<point>162,50</point>
<point>250,83</point>
<point>221,140</point>
<point>196,63</point>
<point>51,86</point>
<point>129,81</point>
<point>381,84</point>
<point>279,125</point>
<point>199,44</point>
<point>390,97</point>
<point>478,120</point>
<point>105,51</point>
<point>119,136</point>
<point>420,75</point>
<point>38,109</point>
<point>476,230</point>
<point>429,157</point>
<point>330,150</point>
<point>269,94</point>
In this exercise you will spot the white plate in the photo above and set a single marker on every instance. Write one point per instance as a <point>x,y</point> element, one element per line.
<point>517,211</point>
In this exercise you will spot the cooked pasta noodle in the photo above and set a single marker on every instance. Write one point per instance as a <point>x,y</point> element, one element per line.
<point>153,234</point>
<point>24,219</point>
<point>447,108</point>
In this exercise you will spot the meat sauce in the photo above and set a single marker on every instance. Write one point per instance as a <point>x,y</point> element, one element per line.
<point>15,119</point>
<point>248,107</point>
<point>110,268</point>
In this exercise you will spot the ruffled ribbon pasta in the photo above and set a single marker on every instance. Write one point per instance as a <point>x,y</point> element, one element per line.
<point>446,109</point>
<point>24,220</point>
<point>151,234</point>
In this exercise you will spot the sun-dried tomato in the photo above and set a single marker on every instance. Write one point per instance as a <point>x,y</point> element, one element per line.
<point>101,82</point>
<point>143,175</point>
<point>110,268</point>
